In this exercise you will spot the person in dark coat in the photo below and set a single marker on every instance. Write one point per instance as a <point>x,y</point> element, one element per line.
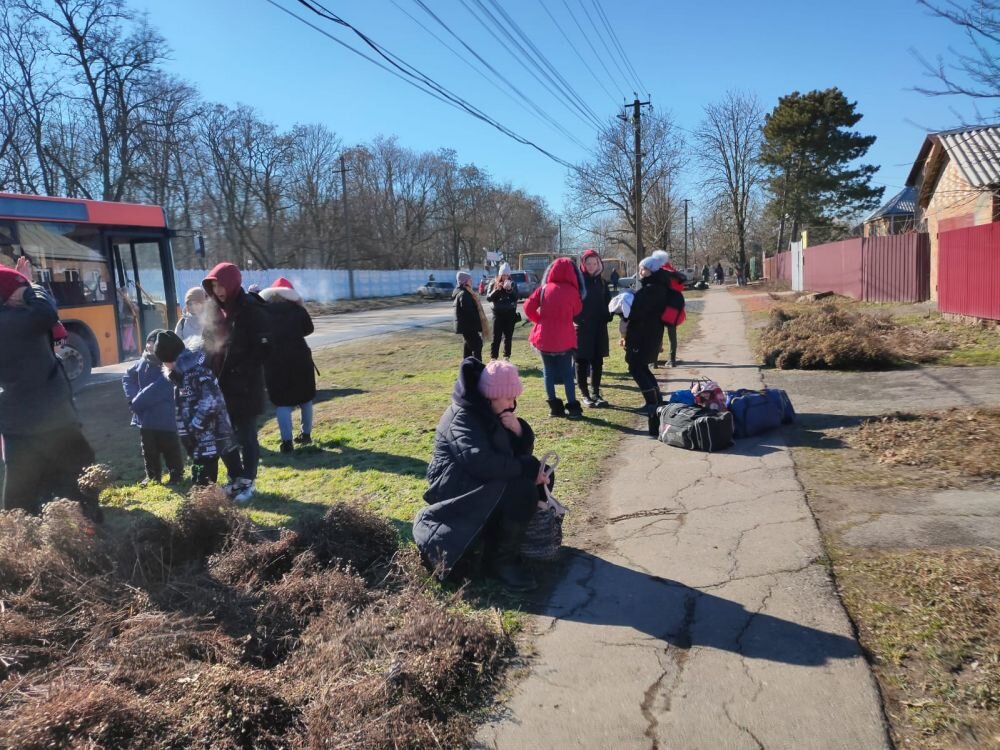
<point>290,373</point>
<point>151,399</point>
<point>483,479</point>
<point>644,332</point>
<point>592,329</point>
<point>675,313</point>
<point>706,273</point>
<point>468,316</point>
<point>720,275</point>
<point>237,343</point>
<point>502,296</point>
<point>615,277</point>
<point>200,411</point>
<point>44,450</point>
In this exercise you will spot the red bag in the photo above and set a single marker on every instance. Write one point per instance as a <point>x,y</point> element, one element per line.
<point>709,394</point>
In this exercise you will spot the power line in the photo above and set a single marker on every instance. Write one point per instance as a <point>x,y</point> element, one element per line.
<point>577,51</point>
<point>604,42</point>
<point>436,89</point>
<point>586,38</point>
<point>553,87</point>
<point>525,99</point>
<point>617,42</point>
<point>520,32</point>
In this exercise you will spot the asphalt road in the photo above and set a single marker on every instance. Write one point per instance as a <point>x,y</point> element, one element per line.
<point>338,329</point>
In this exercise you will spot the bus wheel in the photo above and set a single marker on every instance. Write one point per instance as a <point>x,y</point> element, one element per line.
<point>75,356</point>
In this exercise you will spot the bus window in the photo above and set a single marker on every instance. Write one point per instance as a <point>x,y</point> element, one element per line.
<point>64,256</point>
<point>152,293</point>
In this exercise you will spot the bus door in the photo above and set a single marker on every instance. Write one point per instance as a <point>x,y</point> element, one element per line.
<point>141,285</point>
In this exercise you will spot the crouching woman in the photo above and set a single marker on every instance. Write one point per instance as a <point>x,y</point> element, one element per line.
<point>484,480</point>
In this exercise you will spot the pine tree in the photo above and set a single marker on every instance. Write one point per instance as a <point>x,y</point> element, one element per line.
<point>812,154</point>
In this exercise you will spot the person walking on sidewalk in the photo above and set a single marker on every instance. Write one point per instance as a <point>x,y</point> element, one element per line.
<point>592,344</point>
<point>44,451</point>
<point>552,308</point>
<point>151,399</point>
<point>644,328</point>
<point>720,275</point>
<point>202,417</point>
<point>289,372</point>
<point>470,320</point>
<point>674,315</point>
<point>237,343</point>
<point>483,479</point>
<point>502,295</point>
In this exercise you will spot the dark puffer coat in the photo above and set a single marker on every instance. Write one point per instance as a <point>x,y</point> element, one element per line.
<point>644,335</point>
<point>150,395</point>
<point>504,301</point>
<point>202,422</point>
<point>475,458</point>
<point>35,395</point>
<point>237,342</point>
<point>467,320</point>
<point>289,372</point>
<point>592,322</point>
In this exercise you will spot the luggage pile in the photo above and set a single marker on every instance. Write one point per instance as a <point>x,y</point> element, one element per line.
<point>706,418</point>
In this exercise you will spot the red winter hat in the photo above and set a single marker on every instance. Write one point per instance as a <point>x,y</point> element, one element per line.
<point>500,380</point>
<point>282,283</point>
<point>10,282</point>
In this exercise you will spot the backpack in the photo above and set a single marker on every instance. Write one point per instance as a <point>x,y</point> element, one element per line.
<point>709,394</point>
<point>695,428</point>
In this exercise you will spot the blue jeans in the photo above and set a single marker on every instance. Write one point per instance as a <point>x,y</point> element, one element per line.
<point>284,414</point>
<point>558,368</point>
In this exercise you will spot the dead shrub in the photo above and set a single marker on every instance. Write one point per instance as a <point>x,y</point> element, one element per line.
<point>835,337</point>
<point>79,716</point>
<point>351,536</point>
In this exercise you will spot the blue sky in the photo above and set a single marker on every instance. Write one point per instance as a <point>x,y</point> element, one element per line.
<point>686,54</point>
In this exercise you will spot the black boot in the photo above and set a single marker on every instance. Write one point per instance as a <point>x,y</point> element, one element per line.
<point>286,446</point>
<point>556,408</point>
<point>574,410</point>
<point>505,562</point>
<point>652,397</point>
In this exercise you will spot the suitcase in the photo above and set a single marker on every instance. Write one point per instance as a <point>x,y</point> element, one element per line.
<point>783,402</point>
<point>753,412</point>
<point>695,428</point>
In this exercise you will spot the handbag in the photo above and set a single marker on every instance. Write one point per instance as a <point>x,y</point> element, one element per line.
<point>543,535</point>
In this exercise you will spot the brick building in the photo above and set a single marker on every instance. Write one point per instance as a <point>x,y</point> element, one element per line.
<point>957,179</point>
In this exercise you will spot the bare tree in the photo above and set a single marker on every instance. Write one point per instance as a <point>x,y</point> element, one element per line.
<point>604,186</point>
<point>973,73</point>
<point>727,145</point>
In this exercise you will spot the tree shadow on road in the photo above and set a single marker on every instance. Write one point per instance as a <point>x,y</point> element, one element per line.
<point>596,591</point>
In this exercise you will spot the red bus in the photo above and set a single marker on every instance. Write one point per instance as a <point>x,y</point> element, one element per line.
<point>108,266</point>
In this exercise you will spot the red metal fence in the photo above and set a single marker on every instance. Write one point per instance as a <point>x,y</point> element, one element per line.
<point>969,271</point>
<point>778,267</point>
<point>895,268</point>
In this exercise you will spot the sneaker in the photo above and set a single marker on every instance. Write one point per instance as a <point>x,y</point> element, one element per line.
<point>589,402</point>
<point>245,492</point>
<point>303,438</point>
<point>600,401</point>
<point>148,481</point>
<point>286,446</point>
<point>235,486</point>
<point>175,478</point>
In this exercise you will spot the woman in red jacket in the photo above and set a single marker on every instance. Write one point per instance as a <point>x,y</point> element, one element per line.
<point>674,314</point>
<point>552,308</point>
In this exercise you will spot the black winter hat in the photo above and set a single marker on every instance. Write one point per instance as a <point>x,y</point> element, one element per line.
<point>154,333</point>
<point>167,346</point>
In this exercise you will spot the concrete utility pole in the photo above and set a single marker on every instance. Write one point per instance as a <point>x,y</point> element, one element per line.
<point>347,227</point>
<point>560,236</point>
<point>686,201</point>
<point>637,197</point>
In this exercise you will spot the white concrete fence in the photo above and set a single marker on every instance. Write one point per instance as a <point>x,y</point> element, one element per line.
<point>324,285</point>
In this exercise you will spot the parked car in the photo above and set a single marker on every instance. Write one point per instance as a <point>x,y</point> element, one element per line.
<point>436,290</point>
<point>526,281</point>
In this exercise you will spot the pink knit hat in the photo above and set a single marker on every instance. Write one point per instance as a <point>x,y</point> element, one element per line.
<point>500,380</point>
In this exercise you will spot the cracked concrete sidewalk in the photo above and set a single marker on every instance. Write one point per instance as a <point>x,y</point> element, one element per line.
<point>706,619</point>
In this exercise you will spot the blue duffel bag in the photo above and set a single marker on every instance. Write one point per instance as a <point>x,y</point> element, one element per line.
<point>753,412</point>
<point>683,396</point>
<point>781,400</point>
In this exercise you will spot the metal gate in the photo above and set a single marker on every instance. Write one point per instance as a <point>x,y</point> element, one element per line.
<point>798,260</point>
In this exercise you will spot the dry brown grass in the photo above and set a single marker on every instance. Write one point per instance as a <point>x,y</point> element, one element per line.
<point>931,621</point>
<point>207,631</point>
<point>837,336</point>
<point>956,441</point>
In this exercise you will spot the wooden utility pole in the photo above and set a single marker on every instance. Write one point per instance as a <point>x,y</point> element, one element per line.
<point>686,201</point>
<point>637,196</point>
<point>347,227</point>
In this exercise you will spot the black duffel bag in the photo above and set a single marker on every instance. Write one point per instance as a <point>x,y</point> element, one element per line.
<point>695,428</point>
